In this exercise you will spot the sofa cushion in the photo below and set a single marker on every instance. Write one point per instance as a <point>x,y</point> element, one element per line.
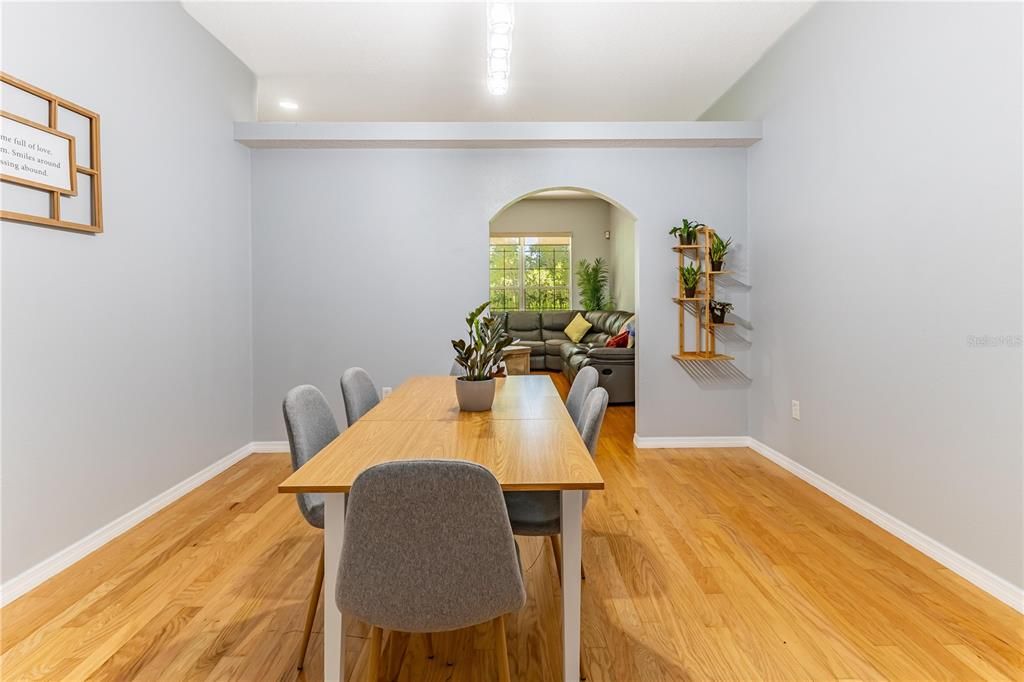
<point>554,346</point>
<point>619,340</point>
<point>607,321</point>
<point>569,349</point>
<point>536,347</point>
<point>553,323</point>
<point>523,325</point>
<point>605,354</point>
<point>554,335</point>
<point>577,328</point>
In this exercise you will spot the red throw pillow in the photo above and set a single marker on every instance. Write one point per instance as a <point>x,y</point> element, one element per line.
<point>618,341</point>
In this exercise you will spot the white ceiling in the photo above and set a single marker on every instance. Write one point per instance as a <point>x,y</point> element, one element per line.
<point>425,61</point>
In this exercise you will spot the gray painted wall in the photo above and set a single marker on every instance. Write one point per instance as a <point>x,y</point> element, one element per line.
<point>126,356</point>
<point>885,214</point>
<point>622,257</point>
<point>326,299</point>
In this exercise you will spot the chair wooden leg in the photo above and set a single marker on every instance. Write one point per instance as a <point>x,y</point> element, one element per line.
<point>504,675</point>
<point>430,644</point>
<point>394,654</point>
<point>583,671</point>
<point>556,547</point>
<point>375,646</point>
<point>314,599</point>
<point>583,571</point>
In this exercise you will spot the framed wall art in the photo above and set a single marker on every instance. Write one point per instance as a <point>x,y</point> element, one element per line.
<point>49,159</point>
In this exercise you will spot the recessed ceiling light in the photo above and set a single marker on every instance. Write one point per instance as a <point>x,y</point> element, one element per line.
<point>288,104</point>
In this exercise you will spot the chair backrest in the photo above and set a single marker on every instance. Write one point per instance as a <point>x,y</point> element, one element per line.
<point>585,382</point>
<point>428,548</point>
<point>311,426</point>
<point>592,417</point>
<point>457,370</point>
<point>358,392</point>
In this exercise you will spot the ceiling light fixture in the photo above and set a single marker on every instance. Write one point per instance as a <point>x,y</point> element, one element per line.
<point>286,104</point>
<point>500,21</point>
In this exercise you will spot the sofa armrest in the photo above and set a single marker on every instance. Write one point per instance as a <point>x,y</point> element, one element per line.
<point>617,355</point>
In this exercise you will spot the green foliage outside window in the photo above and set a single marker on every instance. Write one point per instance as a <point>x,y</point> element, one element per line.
<point>530,273</point>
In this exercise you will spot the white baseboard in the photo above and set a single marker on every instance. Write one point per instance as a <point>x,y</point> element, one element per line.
<point>690,441</point>
<point>998,587</point>
<point>46,569</point>
<point>265,446</point>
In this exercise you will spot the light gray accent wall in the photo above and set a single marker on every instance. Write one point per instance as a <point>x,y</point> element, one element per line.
<point>373,257</point>
<point>885,216</point>
<point>622,258</point>
<point>126,361</point>
<point>586,219</point>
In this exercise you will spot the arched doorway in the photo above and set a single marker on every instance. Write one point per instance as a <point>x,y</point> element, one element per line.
<point>558,252</point>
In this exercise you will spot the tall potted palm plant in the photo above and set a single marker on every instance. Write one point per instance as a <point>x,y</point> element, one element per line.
<point>592,280</point>
<point>480,355</point>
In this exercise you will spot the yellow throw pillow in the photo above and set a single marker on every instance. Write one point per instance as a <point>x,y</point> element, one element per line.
<point>577,328</point>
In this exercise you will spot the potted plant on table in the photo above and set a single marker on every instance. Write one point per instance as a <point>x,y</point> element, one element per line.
<point>480,355</point>
<point>690,276</point>
<point>686,231</point>
<point>718,311</point>
<point>719,250</point>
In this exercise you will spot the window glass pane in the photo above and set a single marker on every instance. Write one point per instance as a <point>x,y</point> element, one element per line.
<point>545,265</point>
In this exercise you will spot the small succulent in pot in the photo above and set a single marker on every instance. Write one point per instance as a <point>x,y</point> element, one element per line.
<point>719,250</point>
<point>690,276</point>
<point>686,231</point>
<point>481,356</point>
<point>718,311</point>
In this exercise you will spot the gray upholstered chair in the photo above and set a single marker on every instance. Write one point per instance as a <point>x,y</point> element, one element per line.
<point>358,392</point>
<point>540,513</point>
<point>586,381</point>
<point>457,370</point>
<point>428,548</point>
<point>311,426</point>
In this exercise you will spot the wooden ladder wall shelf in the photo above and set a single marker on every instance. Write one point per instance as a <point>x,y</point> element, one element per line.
<point>703,362</point>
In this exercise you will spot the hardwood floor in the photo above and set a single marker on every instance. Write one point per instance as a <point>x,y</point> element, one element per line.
<point>701,564</point>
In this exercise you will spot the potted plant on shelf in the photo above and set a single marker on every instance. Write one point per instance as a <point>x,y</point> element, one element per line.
<point>690,276</point>
<point>592,279</point>
<point>718,311</point>
<point>719,250</point>
<point>480,355</point>
<point>686,231</point>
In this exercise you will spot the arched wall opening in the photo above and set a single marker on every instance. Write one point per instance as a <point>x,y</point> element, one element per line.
<point>541,243</point>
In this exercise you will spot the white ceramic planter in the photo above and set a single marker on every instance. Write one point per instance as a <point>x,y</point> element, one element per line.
<point>474,396</point>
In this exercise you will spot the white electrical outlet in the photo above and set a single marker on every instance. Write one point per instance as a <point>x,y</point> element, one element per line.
<point>385,392</point>
<point>796,410</point>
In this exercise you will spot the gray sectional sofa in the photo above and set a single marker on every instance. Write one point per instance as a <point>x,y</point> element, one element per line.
<point>550,348</point>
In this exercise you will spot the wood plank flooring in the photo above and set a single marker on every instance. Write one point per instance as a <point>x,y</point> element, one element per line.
<point>701,565</point>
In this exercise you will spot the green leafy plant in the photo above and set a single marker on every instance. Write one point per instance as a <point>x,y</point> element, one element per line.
<point>719,250</point>
<point>592,279</point>
<point>686,231</point>
<point>480,354</point>
<point>718,310</point>
<point>690,276</point>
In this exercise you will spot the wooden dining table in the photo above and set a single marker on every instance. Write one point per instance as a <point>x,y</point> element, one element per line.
<point>527,440</point>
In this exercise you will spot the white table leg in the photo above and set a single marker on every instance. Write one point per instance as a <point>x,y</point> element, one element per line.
<point>572,582</point>
<point>334,628</point>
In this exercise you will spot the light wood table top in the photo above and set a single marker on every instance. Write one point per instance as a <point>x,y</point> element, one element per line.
<point>528,441</point>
